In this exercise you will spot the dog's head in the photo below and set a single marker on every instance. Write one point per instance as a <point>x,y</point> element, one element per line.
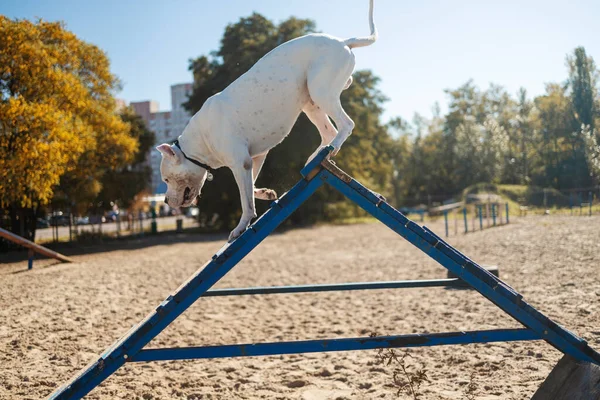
<point>184,179</point>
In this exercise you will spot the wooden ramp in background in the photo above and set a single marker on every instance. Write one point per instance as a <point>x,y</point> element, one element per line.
<point>33,247</point>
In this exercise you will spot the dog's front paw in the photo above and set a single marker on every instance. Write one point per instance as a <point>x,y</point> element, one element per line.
<point>236,233</point>
<point>241,228</point>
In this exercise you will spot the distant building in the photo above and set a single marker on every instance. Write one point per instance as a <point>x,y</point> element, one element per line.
<point>144,109</point>
<point>166,125</point>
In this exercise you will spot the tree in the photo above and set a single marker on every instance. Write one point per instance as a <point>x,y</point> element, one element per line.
<point>57,117</point>
<point>583,80</point>
<point>583,83</point>
<point>120,186</point>
<point>562,163</point>
<point>525,128</point>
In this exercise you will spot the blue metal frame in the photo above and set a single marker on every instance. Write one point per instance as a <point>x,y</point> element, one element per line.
<point>337,287</point>
<point>319,171</point>
<point>490,286</point>
<point>329,345</point>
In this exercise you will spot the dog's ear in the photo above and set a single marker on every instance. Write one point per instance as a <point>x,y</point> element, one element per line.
<point>168,151</point>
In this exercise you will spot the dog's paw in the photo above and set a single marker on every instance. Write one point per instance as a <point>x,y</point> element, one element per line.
<point>334,151</point>
<point>241,228</point>
<point>265,194</point>
<point>236,233</point>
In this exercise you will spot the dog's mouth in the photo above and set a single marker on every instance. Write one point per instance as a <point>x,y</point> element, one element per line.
<point>186,194</point>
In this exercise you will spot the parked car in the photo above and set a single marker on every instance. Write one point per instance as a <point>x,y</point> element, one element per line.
<point>42,223</point>
<point>96,219</point>
<point>112,216</point>
<point>59,219</point>
<point>82,220</point>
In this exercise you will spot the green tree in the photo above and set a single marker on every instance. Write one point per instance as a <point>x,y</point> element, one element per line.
<point>583,81</point>
<point>583,84</point>
<point>479,141</point>
<point>525,128</point>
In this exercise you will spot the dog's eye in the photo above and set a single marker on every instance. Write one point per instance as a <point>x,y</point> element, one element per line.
<point>166,181</point>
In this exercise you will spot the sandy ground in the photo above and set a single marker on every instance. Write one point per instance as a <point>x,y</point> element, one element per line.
<point>58,317</point>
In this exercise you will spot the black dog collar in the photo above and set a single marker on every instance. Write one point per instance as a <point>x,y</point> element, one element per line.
<point>198,163</point>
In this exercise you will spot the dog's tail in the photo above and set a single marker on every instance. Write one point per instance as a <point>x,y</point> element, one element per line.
<point>367,40</point>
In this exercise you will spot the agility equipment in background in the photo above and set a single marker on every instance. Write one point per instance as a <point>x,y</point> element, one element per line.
<point>33,248</point>
<point>131,347</point>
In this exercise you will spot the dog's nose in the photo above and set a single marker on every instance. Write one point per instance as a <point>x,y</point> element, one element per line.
<point>166,200</point>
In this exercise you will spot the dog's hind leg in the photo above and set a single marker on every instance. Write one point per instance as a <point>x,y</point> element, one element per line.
<point>325,85</point>
<point>262,193</point>
<point>326,129</point>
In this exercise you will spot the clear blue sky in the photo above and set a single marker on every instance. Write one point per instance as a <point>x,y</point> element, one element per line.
<point>423,48</point>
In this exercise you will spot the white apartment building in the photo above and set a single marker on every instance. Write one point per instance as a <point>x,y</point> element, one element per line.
<point>166,125</point>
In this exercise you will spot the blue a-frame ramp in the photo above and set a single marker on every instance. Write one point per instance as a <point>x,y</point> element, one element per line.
<point>130,348</point>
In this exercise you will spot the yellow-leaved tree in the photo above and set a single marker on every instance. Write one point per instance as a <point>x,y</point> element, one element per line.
<point>58,118</point>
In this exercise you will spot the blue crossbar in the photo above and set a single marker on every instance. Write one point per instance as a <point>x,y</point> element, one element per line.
<point>329,345</point>
<point>338,287</point>
<point>319,171</point>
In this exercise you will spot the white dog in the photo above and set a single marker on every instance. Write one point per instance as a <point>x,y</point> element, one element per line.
<point>237,127</point>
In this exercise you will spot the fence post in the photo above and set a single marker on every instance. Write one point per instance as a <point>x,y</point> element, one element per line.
<point>30,254</point>
<point>455,221</point>
<point>507,213</point>
<point>480,211</point>
<point>571,202</point>
<point>446,221</point>
<point>465,219</point>
<point>494,214</point>
<point>52,223</point>
<point>153,223</point>
<point>591,200</point>
<point>70,227</point>
<point>499,212</point>
<point>141,223</point>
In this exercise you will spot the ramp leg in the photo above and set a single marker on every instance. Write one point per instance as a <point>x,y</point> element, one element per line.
<point>571,379</point>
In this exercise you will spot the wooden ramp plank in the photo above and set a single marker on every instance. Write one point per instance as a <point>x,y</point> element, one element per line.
<point>571,380</point>
<point>33,246</point>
